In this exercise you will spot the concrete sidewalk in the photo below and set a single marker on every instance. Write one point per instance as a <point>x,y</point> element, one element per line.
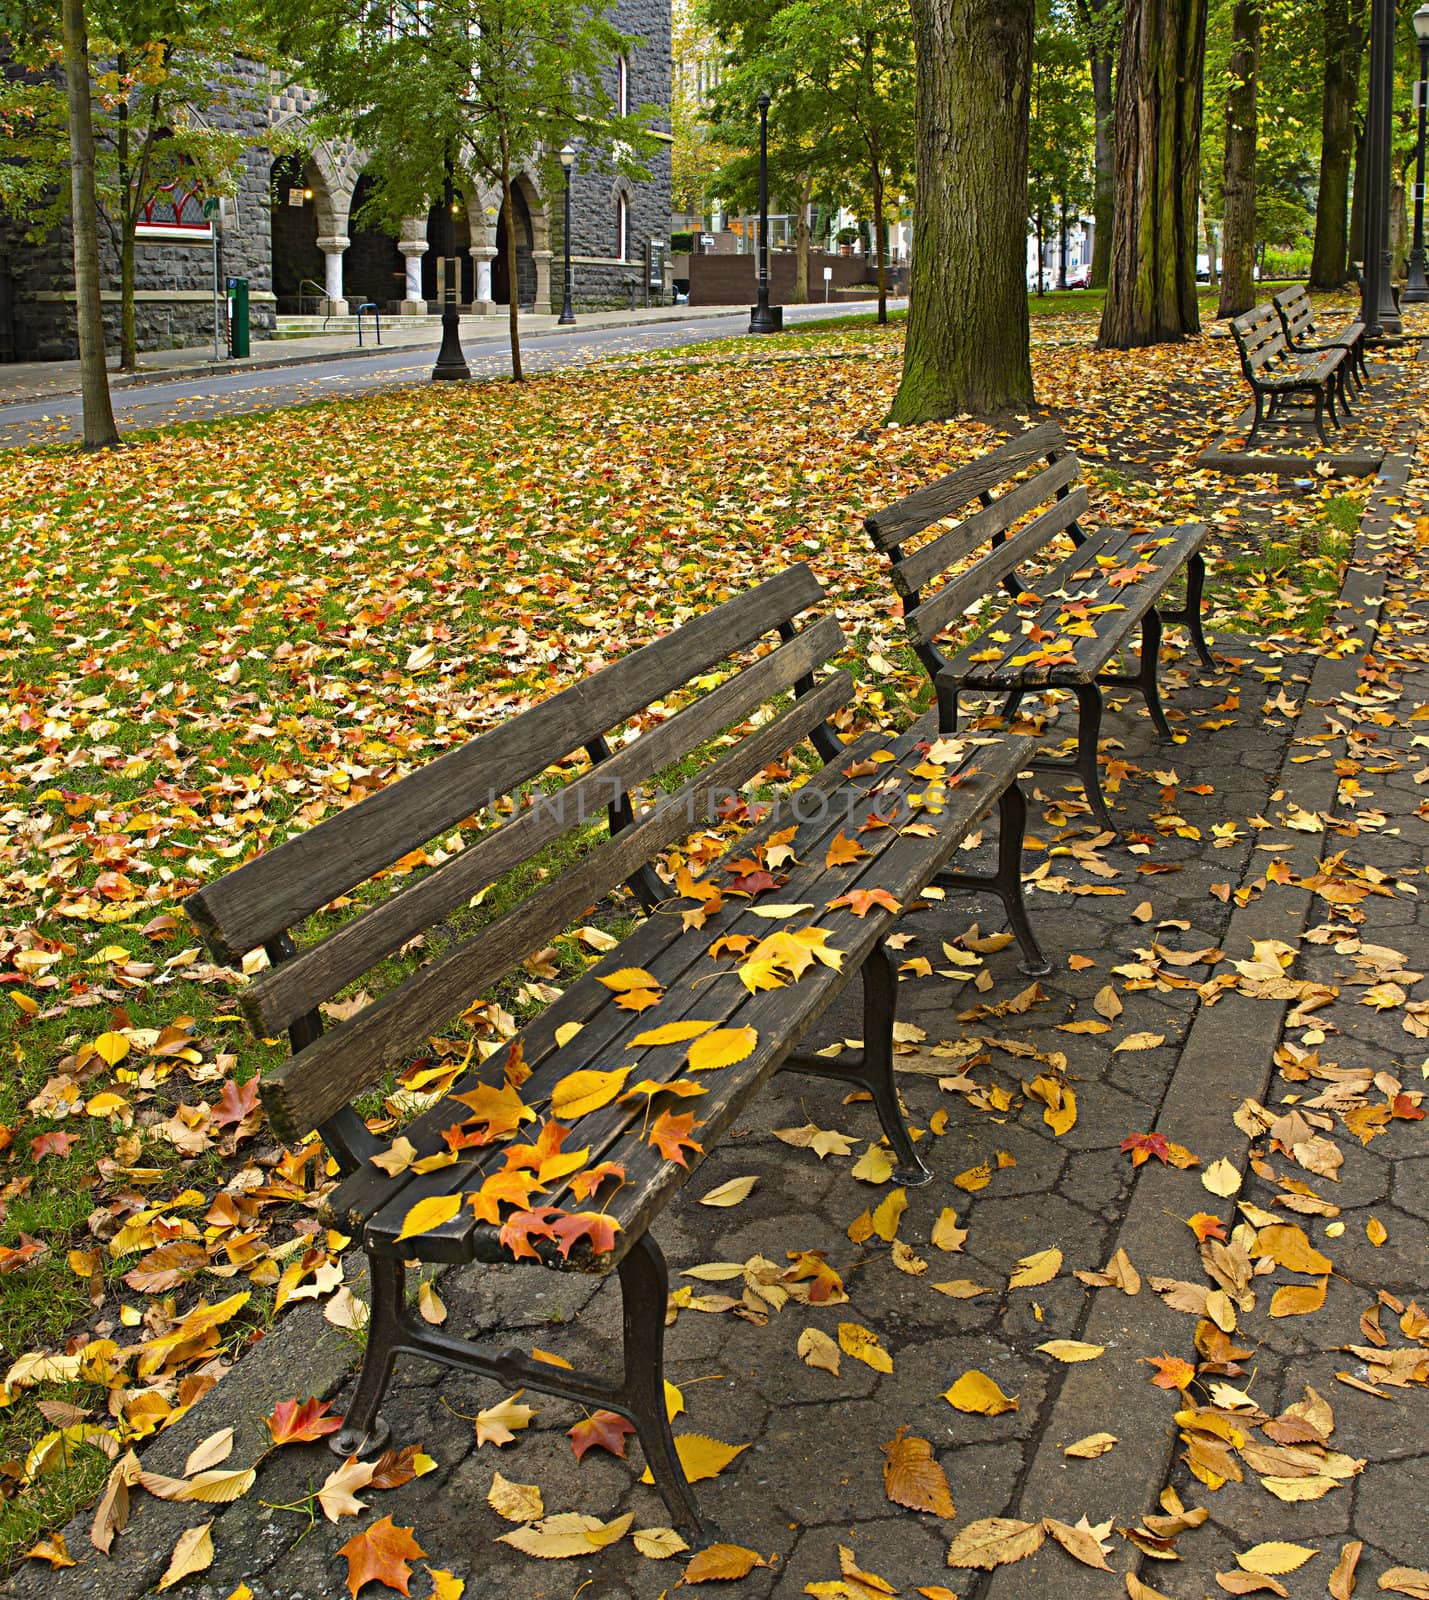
<point>30,382</point>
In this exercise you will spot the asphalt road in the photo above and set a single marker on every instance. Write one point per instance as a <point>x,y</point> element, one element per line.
<point>201,396</point>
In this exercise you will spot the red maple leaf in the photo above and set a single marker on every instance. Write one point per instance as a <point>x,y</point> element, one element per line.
<point>671,1136</point>
<point>1402,1106</point>
<point>51,1144</point>
<point>752,883</point>
<point>604,1430</point>
<point>1205,1226</point>
<point>301,1421</point>
<point>595,1226</point>
<point>379,1555</point>
<point>236,1102</point>
<point>522,1226</point>
<point>1142,1146</point>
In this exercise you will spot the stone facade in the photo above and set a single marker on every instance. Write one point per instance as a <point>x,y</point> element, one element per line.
<point>290,232</point>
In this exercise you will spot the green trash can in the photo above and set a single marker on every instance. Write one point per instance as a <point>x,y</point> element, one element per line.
<point>238,317</point>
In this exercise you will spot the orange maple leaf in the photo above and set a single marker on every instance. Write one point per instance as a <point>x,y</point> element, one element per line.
<point>594,1226</point>
<point>811,1264</point>
<point>602,1430</point>
<point>862,901</point>
<point>379,1554</point>
<point>584,1184</point>
<point>236,1102</point>
<point>671,1136</point>
<point>843,850</point>
<point>1206,1226</point>
<point>301,1421</point>
<point>494,1112</point>
<point>638,999</point>
<point>513,1187</point>
<point>522,1226</point>
<point>1171,1371</point>
<point>532,1156</point>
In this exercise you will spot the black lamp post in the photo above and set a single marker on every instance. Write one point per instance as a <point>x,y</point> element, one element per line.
<point>451,363</point>
<point>568,312</point>
<point>762,318</point>
<point>1416,288</point>
<point>1377,309</point>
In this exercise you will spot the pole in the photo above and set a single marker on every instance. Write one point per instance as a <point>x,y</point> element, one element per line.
<point>568,311</point>
<point>1417,288</point>
<point>1374,175</point>
<point>762,319</point>
<point>1389,318</point>
<point>451,363</point>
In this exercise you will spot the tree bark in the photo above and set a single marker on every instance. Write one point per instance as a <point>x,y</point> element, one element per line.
<point>879,244</point>
<point>1151,287</point>
<point>1344,41</point>
<point>1238,223</point>
<point>801,243</point>
<point>513,309</point>
<point>967,343</point>
<point>99,428</point>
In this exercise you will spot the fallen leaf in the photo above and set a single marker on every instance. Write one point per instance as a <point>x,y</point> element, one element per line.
<point>816,1349</point>
<point>730,1193</point>
<point>301,1421</point>
<point>1274,1557</point>
<point>1071,1350</point>
<point>193,1552</point>
<point>994,1542</point>
<point>1092,1446</point>
<point>863,1345</point>
<point>1222,1178</point>
<point>1039,1268</point>
<point>337,1496</point>
<point>515,1502</point>
<point>975,1392</point>
<point>912,1476</point>
<point>658,1543</point>
<point>722,1562</point>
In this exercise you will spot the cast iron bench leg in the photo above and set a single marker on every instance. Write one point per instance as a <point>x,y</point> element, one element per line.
<point>366,1432</point>
<point>1089,725</point>
<point>1006,883</point>
<point>1190,613</point>
<point>1146,678</point>
<point>644,1294</point>
<point>1259,418</point>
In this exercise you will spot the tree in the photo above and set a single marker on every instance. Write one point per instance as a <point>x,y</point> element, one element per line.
<point>1151,287</point>
<point>967,344</point>
<point>99,427</point>
<point>1239,231</point>
<point>467,92</point>
<point>1343,44</point>
<point>1060,133</point>
<point>1099,22</point>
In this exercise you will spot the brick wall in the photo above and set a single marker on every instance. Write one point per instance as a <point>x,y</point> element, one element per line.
<point>720,280</point>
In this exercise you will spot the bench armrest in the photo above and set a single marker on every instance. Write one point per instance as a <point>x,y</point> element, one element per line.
<point>947,681</point>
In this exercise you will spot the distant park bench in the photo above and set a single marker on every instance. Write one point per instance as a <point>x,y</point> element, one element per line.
<point>563,1148</point>
<point>1278,375</point>
<point>1068,619</point>
<point>1297,317</point>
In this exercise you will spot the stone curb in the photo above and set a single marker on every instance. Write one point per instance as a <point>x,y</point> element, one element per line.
<point>303,1355</point>
<point>1227,1057</point>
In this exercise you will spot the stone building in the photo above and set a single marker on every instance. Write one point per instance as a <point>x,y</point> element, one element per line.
<point>291,230</point>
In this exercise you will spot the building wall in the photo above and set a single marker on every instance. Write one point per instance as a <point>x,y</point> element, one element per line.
<point>174,280</point>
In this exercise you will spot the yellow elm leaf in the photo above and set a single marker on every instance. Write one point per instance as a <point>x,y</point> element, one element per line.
<point>889,1213</point>
<point>1412,1581</point>
<point>1039,1268</point>
<point>913,1477</point>
<point>588,1090</point>
<point>974,1178</point>
<point>731,1193</point>
<point>1274,1558</point>
<point>671,1033</point>
<point>658,1543</point>
<point>977,1394</point>
<point>1089,1448</point>
<point>1298,1299</point>
<point>863,1345</point>
<point>193,1552</point>
<point>994,1541</point>
<point>1072,1350</point>
<point>430,1305</point>
<point>566,1536</point>
<point>1289,1247</point>
<point>112,1048</point>
<point>629,978</point>
<point>722,1048</point>
<point>430,1213</point>
<point>212,1452</point>
<point>961,1288</point>
<point>1079,1542</point>
<point>1222,1178</point>
<point>701,1457</point>
<point>727,1562</point>
<point>1108,1003</point>
<point>816,1349</point>
<point>1140,1041</point>
<point>516,1502</point>
<point>777,913</point>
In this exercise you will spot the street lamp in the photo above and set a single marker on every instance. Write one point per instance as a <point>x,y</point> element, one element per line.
<point>568,314</point>
<point>762,319</point>
<point>451,363</point>
<point>1417,287</point>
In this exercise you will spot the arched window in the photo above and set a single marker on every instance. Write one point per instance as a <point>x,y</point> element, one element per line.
<point>622,226</point>
<point>622,86</point>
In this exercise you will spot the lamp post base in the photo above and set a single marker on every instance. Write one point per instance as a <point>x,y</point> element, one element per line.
<point>451,363</point>
<point>766,319</point>
<point>1416,287</point>
<point>567,318</point>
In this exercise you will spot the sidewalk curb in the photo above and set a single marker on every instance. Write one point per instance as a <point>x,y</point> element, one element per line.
<point>1227,1057</point>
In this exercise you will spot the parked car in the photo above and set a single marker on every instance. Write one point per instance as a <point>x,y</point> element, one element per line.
<point>1081,279</point>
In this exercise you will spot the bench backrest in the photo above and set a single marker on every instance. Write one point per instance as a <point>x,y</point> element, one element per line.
<point>1296,315</point>
<point>1260,339</point>
<point>934,594</point>
<point>263,901</point>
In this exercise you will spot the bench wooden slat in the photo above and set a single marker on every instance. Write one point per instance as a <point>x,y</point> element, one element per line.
<point>281,888</point>
<point>950,493</point>
<point>291,990</point>
<point>927,621</point>
<point>781,1018</point>
<point>332,1071</point>
<point>912,574</point>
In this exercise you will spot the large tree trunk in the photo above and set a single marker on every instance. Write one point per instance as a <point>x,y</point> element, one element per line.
<point>1355,242</point>
<point>801,243</point>
<point>1238,230</point>
<point>99,428</point>
<point>1151,288</point>
<point>967,343</point>
<point>1344,40</point>
<point>513,310</point>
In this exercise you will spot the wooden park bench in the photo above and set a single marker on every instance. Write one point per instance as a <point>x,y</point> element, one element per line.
<point>1278,375</point>
<point>568,1172</point>
<point>1075,600</point>
<point>1297,317</point>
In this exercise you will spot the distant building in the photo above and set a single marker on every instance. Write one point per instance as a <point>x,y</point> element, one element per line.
<point>290,231</point>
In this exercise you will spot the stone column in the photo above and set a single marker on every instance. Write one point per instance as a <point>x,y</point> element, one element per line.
<point>542,258</point>
<point>333,246</point>
<point>413,302</point>
<point>483,255</point>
